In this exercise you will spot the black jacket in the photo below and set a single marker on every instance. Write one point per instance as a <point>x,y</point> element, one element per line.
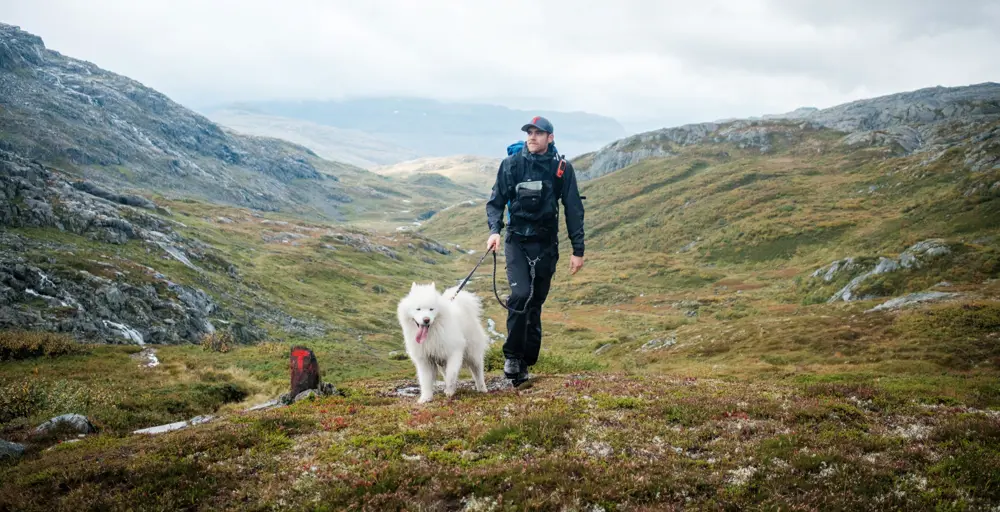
<point>533,213</point>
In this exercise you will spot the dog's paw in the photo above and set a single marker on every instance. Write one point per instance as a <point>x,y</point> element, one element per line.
<point>423,400</point>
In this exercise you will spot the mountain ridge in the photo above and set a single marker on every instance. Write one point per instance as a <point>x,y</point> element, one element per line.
<point>906,122</point>
<point>104,127</point>
<point>350,146</point>
<point>440,128</point>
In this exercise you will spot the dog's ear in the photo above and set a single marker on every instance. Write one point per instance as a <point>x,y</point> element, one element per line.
<point>433,285</point>
<point>414,285</point>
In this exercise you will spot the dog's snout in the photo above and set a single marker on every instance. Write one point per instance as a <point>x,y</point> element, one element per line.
<point>427,320</point>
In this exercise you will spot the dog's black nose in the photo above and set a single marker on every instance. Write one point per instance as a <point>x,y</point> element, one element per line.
<point>427,320</point>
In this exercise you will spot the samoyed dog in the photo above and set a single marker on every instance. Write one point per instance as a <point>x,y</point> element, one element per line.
<point>442,334</point>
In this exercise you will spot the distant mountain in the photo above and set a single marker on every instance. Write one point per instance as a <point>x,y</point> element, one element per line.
<point>93,124</point>
<point>435,128</point>
<point>350,146</point>
<point>476,171</point>
<point>127,218</point>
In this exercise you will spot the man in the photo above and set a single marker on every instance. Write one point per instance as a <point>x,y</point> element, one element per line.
<point>528,185</point>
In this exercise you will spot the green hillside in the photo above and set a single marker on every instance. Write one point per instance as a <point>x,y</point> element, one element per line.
<point>734,341</point>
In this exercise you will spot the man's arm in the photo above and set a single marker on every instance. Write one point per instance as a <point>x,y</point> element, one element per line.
<point>497,202</point>
<point>573,206</point>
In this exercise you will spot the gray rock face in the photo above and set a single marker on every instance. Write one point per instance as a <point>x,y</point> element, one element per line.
<point>913,257</point>
<point>658,343</point>
<point>434,246</point>
<point>130,200</point>
<point>612,159</point>
<point>363,244</point>
<point>124,304</point>
<point>75,422</point>
<point>178,425</point>
<point>910,300</point>
<point>913,109</point>
<point>114,130</point>
<point>10,450</point>
<point>923,120</point>
<point>324,389</point>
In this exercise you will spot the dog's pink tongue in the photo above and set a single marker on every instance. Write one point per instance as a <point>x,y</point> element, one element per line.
<point>421,333</point>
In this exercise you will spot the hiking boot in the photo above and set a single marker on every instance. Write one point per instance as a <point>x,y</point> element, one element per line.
<point>511,367</point>
<point>515,371</point>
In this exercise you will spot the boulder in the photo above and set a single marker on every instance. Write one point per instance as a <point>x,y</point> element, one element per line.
<point>10,450</point>
<point>74,422</point>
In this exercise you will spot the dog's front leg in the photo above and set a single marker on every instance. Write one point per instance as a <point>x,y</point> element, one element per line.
<point>451,373</point>
<point>425,375</point>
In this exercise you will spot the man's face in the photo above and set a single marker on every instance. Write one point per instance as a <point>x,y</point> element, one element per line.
<point>538,141</point>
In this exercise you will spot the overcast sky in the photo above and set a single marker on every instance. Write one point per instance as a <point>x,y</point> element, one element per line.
<point>672,62</point>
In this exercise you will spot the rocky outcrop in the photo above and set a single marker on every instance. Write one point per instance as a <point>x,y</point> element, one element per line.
<point>178,425</point>
<point>33,196</point>
<point>925,120</point>
<point>912,258</point>
<point>631,150</point>
<point>363,244</point>
<point>919,108</point>
<point>8,450</point>
<point>111,299</point>
<point>911,300</point>
<point>75,423</point>
<point>99,308</point>
<point>72,114</point>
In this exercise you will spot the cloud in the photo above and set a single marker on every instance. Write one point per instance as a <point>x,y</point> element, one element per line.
<point>658,62</point>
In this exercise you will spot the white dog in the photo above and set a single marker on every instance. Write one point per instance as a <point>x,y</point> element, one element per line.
<point>443,334</point>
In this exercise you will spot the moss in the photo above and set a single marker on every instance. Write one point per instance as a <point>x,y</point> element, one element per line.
<point>17,345</point>
<point>547,431</point>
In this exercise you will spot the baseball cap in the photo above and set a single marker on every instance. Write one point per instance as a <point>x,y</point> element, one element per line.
<point>540,123</point>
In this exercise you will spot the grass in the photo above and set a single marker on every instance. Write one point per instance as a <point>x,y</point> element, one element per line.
<point>18,345</point>
<point>103,386</point>
<point>592,439</point>
<point>723,381</point>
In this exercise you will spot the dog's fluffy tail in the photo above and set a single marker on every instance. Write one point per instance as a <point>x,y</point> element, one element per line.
<point>468,302</point>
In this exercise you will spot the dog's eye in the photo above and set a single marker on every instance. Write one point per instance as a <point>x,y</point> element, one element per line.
<point>432,309</point>
<point>418,309</point>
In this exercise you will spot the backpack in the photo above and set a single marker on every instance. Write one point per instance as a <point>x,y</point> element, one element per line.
<point>517,147</point>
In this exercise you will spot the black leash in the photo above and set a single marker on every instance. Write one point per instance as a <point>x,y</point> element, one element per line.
<point>474,270</point>
<point>531,289</point>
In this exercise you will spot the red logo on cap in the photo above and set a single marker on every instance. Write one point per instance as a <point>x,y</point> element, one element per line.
<point>535,119</point>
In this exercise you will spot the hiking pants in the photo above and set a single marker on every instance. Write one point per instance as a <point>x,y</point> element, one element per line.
<point>524,330</point>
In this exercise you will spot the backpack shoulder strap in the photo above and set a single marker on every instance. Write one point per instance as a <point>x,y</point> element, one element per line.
<point>560,170</point>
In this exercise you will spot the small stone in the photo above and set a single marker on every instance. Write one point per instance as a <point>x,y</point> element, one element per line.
<point>10,450</point>
<point>305,395</point>
<point>911,299</point>
<point>603,348</point>
<point>76,422</point>
<point>328,389</point>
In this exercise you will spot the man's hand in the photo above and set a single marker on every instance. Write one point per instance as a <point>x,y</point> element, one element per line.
<point>575,263</point>
<point>493,243</point>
